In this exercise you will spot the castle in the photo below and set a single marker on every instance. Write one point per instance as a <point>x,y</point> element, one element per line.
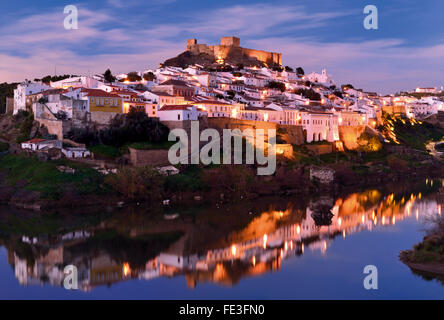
<point>230,49</point>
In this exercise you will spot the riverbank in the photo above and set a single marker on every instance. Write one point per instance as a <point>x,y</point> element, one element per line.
<point>427,257</point>
<point>28,183</point>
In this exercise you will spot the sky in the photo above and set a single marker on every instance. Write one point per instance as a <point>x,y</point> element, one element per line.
<point>406,51</point>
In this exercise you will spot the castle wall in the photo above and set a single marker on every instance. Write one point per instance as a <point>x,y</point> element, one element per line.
<point>231,46</point>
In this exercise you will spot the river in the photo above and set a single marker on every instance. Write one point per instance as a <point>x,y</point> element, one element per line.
<point>273,248</point>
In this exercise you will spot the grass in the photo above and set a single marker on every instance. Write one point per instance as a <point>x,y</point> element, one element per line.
<point>45,178</point>
<point>105,151</point>
<point>152,145</point>
<point>4,146</point>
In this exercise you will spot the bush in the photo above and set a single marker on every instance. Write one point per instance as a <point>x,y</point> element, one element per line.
<point>135,126</point>
<point>145,183</point>
<point>231,180</point>
<point>4,146</point>
<point>397,164</point>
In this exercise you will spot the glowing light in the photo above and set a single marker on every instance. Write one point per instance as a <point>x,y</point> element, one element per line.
<point>298,229</point>
<point>393,220</point>
<point>343,234</point>
<point>303,248</point>
<point>363,218</point>
<point>265,241</point>
<point>126,269</point>
<point>339,221</point>
<point>233,250</point>
<point>286,246</point>
<point>253,261</point>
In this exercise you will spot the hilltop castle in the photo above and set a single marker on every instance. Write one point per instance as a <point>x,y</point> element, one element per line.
<point>230,50</point>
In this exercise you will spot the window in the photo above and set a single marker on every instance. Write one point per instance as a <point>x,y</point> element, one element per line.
<point>178,117</point>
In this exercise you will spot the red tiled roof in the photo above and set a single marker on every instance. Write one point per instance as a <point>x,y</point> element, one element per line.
<point>36,140</point>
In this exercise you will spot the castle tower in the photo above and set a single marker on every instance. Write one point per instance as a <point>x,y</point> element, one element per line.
<point>230,41</point>
<point>191,43</point>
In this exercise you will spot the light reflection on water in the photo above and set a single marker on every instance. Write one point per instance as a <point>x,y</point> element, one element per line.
<point>211,246</point>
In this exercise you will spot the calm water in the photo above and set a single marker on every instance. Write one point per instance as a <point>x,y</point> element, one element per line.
<point>271,249</point>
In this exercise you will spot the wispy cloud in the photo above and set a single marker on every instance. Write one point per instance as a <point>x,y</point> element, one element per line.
<point>33,45</point>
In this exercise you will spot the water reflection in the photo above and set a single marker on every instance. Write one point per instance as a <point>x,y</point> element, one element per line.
<point>208,246</point>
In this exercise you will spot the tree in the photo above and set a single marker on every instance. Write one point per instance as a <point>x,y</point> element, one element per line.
<point>144,183</point>
<point>135,126</point>
<point>300,71</point>
<point>277,85</point>
<point>133,76</point>
<point>240,66</point>
<point>108,76</point>
<point>308,93</point>
<point>369,143</point>
<point>288,69</point>
<point>347,86</point>
<point>149,76</point>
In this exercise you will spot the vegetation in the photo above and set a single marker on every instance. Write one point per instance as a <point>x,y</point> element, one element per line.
<point>108,76</point>
<point>409,132</point>
<point>145,183</point>
<point>45,178</point>
<point>4,146</point>
<point>300,71</point>
<point>105,151</point>
<point>308,93</point>
<point>149,76</point>
<point>25,121</point>
<point>48,79</point>
<point>135,126</point>
<point>133,77</point>
<point>431,249</point>
<point>277,85</point>
<point>6,90</point>
<point>369,142</point>
<point>288,69</point>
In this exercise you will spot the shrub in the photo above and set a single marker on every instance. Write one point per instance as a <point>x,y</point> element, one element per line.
<point>144,183</point>
<point>397,164</point>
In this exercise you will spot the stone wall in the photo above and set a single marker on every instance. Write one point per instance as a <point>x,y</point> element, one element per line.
<point>230,48</point>
<point>349,136</point>
<point>9,105</point>
<point>319,149</point>
<point>322,174</point>
<point>102,118</point>
<point>293,134</point>
<point>149,157</point>
<point>57,127</point>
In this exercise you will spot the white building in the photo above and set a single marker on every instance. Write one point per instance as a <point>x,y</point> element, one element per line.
<point>425,90</point>
<point>320,126</point>
<point>177,113</point>
<point>322,78</point>
<point>39,144</point>
<point>76,152</point>
<point>84,82</point>
<point>25,89</point>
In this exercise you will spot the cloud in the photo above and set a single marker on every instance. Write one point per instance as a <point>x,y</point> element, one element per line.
<point>33,45</point>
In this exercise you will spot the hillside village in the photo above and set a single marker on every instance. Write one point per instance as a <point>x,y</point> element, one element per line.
<point>310,111</point>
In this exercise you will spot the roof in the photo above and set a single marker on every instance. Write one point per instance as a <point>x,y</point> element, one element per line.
<point>175,107</point>
<point>173,82</point>
<point>99,93</point>
<point>213,102</point>
<point>36,140</point>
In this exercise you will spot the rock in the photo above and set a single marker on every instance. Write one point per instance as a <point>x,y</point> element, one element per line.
<point>166,202</point>
<point>198,198</point>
